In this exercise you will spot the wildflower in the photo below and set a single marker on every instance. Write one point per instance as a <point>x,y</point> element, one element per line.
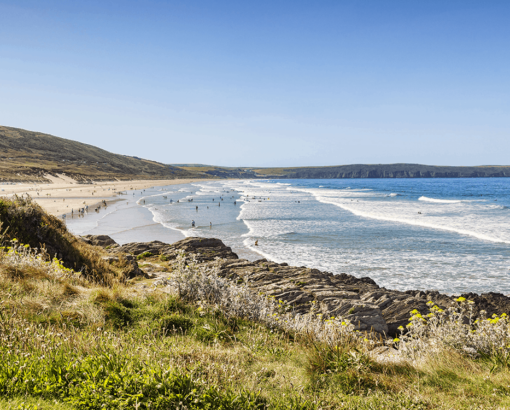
<point>461,299</point>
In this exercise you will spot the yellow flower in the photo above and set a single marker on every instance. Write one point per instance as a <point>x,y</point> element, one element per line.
<point>461,299</point>
<point>396,340</point>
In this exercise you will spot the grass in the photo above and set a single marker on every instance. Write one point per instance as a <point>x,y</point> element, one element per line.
<point>27,156</point>
<point>116,348</point>
<point>68,342</point>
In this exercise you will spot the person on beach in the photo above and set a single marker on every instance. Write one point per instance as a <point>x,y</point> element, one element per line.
<point>210,225</point>
<point>192,224</point>
<point>196,208</point>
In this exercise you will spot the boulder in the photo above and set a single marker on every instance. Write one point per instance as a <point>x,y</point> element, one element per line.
<point>137,248</point>
<point>205,249</point>
<point>99,240</point>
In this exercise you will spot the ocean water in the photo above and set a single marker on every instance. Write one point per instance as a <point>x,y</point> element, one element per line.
<point>452,235</point>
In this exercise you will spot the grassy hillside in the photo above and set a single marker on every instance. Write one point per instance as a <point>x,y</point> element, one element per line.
<point>68,342</point>
<point>28,156</point>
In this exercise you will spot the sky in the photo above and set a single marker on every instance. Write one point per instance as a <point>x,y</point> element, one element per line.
<point>263,83</point>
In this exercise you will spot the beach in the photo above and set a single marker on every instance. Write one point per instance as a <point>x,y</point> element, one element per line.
<point>449,235</point>
<point>63,194</point>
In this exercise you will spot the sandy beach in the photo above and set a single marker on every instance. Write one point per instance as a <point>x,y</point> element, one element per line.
<point>63,194</point>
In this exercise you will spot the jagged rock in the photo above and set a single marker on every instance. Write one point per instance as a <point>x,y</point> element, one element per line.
<point>137,248</point>
<point>205,249</point>
<point>360,300</point>
<point>492,303</point>
<point>99,240</point>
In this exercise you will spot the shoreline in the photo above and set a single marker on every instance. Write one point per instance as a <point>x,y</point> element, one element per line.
<point>63,195</point>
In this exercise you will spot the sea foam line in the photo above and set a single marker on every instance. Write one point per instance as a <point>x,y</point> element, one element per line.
<point>410,222</point>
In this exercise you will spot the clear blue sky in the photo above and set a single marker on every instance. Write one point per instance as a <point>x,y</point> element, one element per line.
<point>263,83</point>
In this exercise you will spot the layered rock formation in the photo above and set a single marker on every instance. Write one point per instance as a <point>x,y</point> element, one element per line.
<point>361,300</point>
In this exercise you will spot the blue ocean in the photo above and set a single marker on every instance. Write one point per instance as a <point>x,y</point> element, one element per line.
<point>452,235</point>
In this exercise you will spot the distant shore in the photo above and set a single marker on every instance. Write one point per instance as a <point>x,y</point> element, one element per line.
<point>64,194</point>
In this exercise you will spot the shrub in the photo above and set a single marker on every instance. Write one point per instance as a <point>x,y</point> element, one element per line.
<point>144,255</point>
<point>173,323</point>
<point>117,314</point>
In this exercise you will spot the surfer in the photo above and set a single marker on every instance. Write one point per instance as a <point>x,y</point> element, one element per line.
<point>192,224</point>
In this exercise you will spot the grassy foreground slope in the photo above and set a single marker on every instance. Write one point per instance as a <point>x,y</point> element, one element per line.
<point>28,156</point>
<point>76,341</point>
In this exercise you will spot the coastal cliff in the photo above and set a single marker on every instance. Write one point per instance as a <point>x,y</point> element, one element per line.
<point>385,171</point>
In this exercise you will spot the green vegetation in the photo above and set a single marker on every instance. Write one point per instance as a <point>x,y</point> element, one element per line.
<point>27,222</point>
<point>29,156</point>
<point>144,255</point>
<point>71,342</point>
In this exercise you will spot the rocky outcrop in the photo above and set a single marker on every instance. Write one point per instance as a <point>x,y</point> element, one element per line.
<point>361,300</point>
<point>99,240</point>
<point>207,249</point>
<point>137,248</point>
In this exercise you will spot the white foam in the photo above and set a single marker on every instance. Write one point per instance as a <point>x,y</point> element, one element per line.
<point>419,221</point>
<point>439,201</point>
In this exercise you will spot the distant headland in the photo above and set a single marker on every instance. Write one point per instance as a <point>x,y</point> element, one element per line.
<point>28,156</point>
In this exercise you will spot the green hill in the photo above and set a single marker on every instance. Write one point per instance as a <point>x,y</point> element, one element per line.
<point>28,156</point>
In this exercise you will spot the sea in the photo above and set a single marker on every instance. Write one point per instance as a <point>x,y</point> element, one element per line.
<point>450,235</point>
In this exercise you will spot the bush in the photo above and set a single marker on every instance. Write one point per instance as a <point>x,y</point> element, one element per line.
<point>144,255</point>
<point>174,323</point>
<point>117,314</point>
